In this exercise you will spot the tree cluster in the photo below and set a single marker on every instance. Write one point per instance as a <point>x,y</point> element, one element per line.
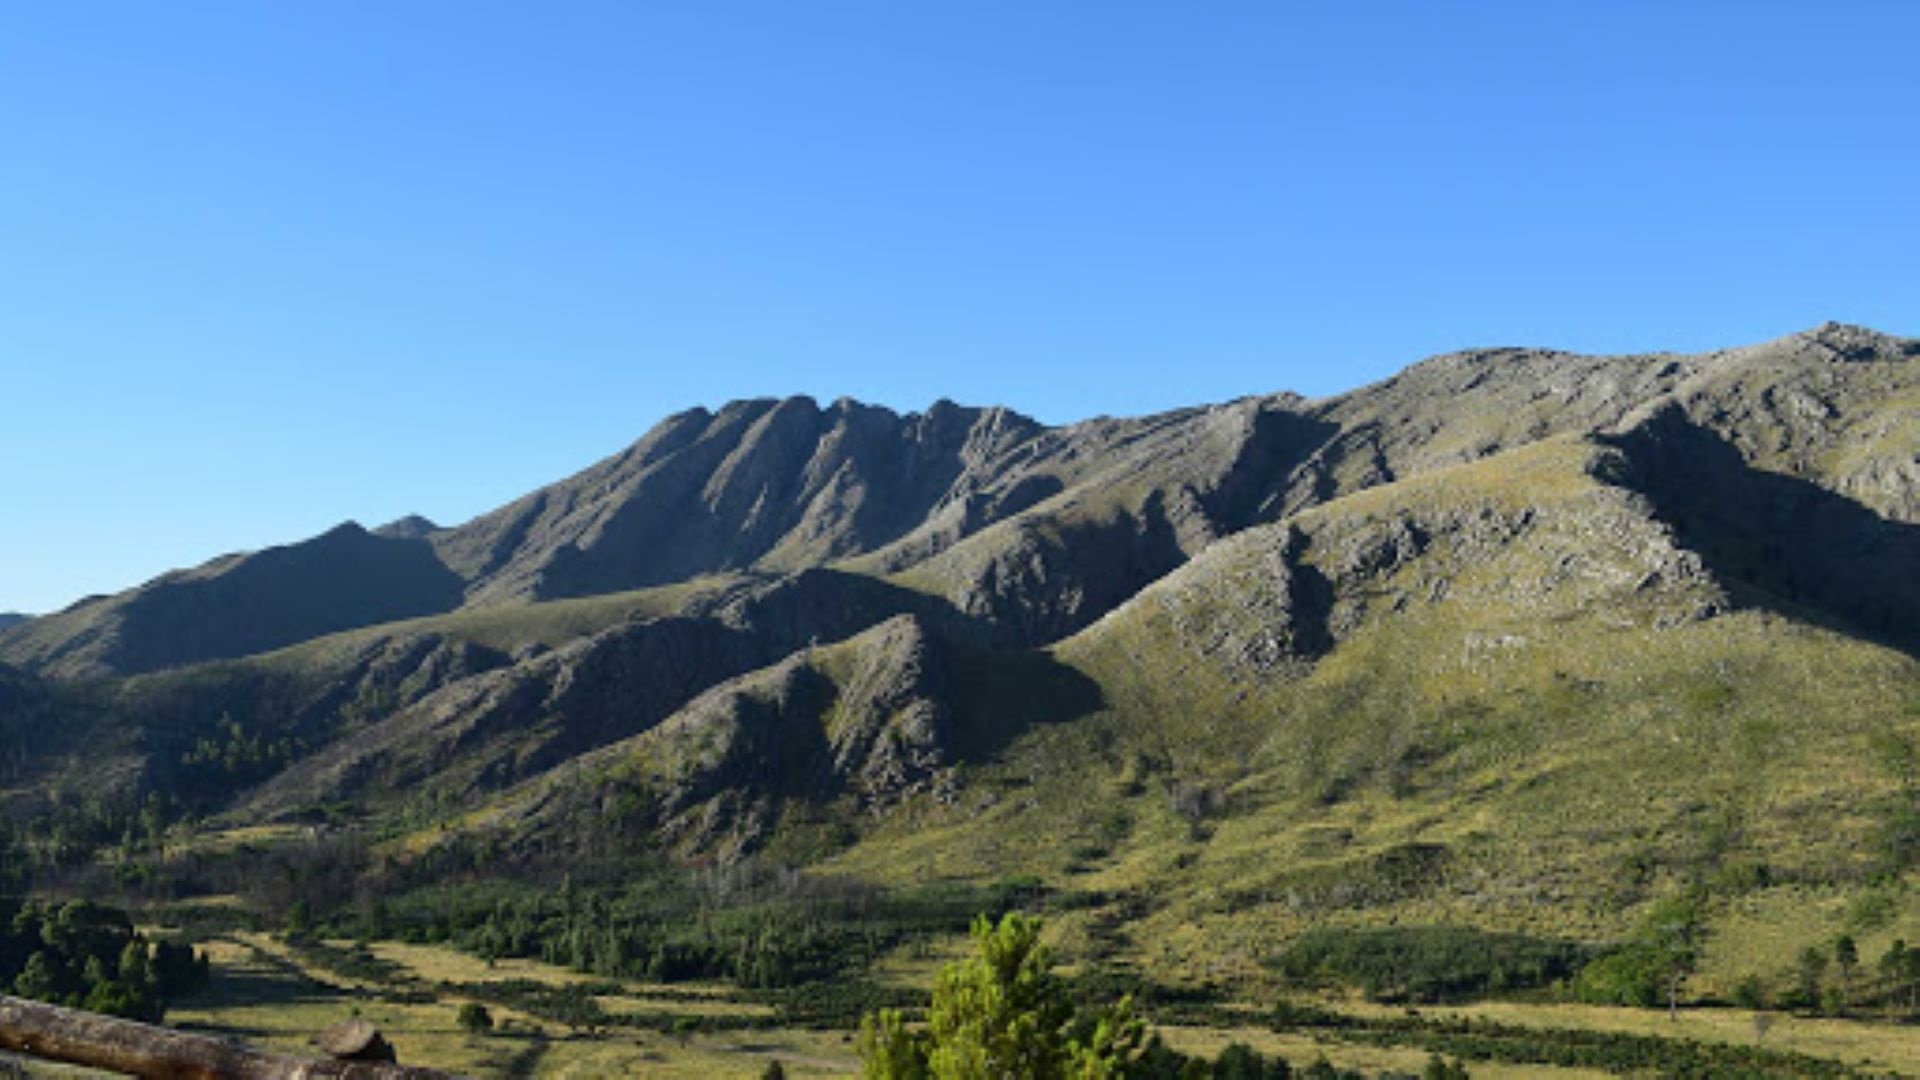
<point>1834,978</point>
<point>231,756</point>
<point>86,956</point>
<point>1430,963</point>
<point>663,926</point>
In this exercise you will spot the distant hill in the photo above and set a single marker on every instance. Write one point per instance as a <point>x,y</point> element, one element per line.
<point>1515,637</point>
<point>240,604</point>
<point>8,618</point>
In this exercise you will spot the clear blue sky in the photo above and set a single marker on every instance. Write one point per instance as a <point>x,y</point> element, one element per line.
<point>266,266</point>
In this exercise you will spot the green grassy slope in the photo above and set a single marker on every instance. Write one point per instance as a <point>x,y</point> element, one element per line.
<point>1528,710</point>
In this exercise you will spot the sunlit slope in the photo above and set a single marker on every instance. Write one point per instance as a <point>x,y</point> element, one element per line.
<point>1500,694</point>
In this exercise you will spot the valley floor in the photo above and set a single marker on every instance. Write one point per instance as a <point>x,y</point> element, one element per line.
<point>276,994</point>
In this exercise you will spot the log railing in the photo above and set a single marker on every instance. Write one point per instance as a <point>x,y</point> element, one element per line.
<point>124,1046</point>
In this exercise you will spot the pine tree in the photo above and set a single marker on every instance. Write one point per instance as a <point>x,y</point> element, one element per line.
<point>39,979</point>
<point>1002,1012</point>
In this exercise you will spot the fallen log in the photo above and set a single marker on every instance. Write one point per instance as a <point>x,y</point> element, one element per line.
<point>125,1046</point>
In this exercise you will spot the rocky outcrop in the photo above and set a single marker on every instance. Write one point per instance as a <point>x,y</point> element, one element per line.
<point>1142,498</point>
<point>891,728</point>
<point>1537,535</point>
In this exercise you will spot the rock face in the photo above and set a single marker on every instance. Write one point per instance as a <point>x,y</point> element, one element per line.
<point>774,484</point>
<point>891,731</point>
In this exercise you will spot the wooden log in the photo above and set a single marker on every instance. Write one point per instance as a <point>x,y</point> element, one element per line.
<point>124,1046</point>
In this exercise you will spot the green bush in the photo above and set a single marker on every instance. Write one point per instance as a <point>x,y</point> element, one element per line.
<point>1635,976</point>
<point>473,1018</point>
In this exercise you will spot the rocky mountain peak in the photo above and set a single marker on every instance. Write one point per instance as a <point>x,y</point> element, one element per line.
<point>1849,342</point>
<point>411,527</point>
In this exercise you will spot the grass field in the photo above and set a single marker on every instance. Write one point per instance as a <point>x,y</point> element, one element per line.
<point>264,992</point>
<point>1873,1047</point>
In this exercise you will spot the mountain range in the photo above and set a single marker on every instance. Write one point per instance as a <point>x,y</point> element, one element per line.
<point>1514,638</point>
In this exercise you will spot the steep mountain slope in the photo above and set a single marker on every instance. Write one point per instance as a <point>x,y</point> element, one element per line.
<point>442,709</point>
<point>1548,549</point>
<point>788,753</point>
<point>1092,510</point>
<point>1032,530</point>
<point>773,484</point>
<point>1505,694</point>
<point>1787,542</point>
<point>1130,501</point>
<point>1832,405</point>
<point>1502,546</point>
<point>516,719</point>
<point>21,704</point>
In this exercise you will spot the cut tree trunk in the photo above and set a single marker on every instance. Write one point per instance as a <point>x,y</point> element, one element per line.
<point>124,1046</point>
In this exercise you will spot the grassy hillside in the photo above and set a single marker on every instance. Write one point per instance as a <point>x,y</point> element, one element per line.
<point>1510,727</point>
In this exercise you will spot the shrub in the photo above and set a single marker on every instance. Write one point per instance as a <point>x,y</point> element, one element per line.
<point>474,1019</point>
